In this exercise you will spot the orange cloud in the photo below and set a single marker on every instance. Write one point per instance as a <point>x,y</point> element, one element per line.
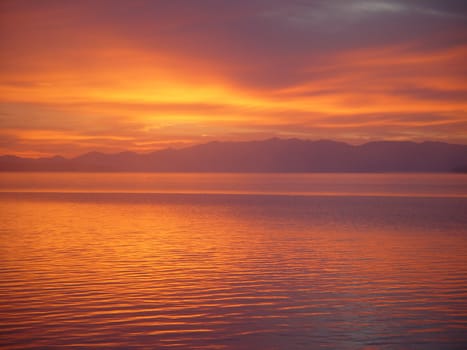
<point>76,77</point>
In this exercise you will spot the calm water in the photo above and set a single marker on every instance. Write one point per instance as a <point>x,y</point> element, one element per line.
<point>219,261</point>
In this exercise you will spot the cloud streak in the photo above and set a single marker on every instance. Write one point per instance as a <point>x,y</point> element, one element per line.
<point>117,75</point>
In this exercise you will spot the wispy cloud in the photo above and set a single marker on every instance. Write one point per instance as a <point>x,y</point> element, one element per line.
<point>116,75</point>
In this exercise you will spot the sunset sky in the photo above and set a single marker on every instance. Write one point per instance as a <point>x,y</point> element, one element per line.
<point>110,76</point>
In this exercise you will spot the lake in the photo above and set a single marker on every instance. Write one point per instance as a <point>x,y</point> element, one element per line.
<point>233,261</point>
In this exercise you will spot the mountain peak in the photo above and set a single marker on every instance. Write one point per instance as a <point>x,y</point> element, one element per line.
<point>270,155</point>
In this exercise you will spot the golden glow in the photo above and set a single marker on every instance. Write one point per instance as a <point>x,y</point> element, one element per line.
<point>105,91</point>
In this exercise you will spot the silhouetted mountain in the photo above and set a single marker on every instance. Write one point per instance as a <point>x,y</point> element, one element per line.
<point>273,155</point>
<point>461,169</point>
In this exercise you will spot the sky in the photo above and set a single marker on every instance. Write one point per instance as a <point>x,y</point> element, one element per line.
<point>141,75</point>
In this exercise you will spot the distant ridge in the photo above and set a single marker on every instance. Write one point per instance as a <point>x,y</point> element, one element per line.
<point>272,155</point>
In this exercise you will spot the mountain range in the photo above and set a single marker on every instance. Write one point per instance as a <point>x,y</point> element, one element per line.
<point>272,155</point>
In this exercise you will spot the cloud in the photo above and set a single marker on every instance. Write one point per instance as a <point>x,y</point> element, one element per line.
<point>134,74</point>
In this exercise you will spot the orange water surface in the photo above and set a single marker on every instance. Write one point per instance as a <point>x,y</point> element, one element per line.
<point>222,261</point>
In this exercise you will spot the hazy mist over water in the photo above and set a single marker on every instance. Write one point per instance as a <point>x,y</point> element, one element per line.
<point>233,261</point>
<point>323,184</point>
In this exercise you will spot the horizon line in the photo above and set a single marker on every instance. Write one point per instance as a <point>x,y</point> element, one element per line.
<point>275,138</point>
